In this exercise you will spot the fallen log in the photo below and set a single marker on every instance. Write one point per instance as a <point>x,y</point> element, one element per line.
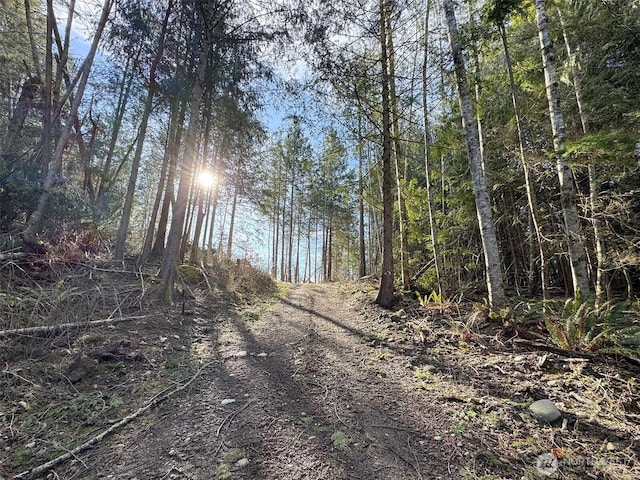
<point>64,326</point>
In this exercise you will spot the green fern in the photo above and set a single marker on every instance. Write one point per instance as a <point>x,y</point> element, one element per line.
<point>583,325</point>
<point>425,300</point>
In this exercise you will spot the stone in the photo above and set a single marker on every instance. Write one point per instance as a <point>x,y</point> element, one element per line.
<point>228,401</point>
<point>545,411</point>
<point>243,462</point>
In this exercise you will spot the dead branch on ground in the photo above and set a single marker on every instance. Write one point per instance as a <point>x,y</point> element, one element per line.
<point>154,402</point>
<point>62,326</point>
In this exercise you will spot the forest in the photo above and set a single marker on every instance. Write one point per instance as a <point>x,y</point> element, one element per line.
<point>328,239</point>
<point>484,151</point>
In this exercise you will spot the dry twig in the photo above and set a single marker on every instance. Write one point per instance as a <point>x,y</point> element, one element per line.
<point>155,401</point>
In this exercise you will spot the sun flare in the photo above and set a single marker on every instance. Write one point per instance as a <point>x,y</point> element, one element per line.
<point>207,179</point>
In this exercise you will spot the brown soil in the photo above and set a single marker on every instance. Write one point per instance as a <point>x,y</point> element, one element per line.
<point>325,385</point>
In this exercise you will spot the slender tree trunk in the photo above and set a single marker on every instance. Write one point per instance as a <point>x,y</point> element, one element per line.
<point>35,58</point>
<point>385,296</point>
<point>291,214</point>
<point>194,195</point>
<point>168,268</point>
<point>276,232</point>
<point>596,222</point>
<point>283,253</point>
<point>47,107</point>
<point>329,277</point>
<point>528,181</point>
<point>142,133</point>
<point>232,222</point>
<point>307,263</point>
<point>493,264</point>
<point>213,213</point>
<point>171,151</point>
<point>201,212</point>
<point>166,159</point>
<point>433,226</point>
<point>477,84</point>
<point>577,257</point>
<point>297,262</point>
<point>362,270</point>
<point>55,165</point>
<point>397,156</point>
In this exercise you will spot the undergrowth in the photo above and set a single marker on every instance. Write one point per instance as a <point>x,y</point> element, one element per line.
<point>583,325</point>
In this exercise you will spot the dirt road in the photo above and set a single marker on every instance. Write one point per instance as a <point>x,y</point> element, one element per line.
<point>299,393</point>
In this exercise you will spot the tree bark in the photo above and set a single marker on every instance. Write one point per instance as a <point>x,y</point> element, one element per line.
<point>232,222</point>
<point>362,270</point>
<point>493,266</point>
<point>596,222</point>
<point>433,227</point>
<point>385,296</point>
<point>577,256</point>
<point>397,156</point>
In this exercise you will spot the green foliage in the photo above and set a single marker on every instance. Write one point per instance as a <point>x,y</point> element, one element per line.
<point>582,325</point>
<point>340,440</point>
<point>433,297</point>
<point>614,146</point>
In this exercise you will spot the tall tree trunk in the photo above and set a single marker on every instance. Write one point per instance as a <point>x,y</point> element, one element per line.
<point>47,107</point>
<point>142,133</point>
<point>172,149</point>
<point>577,257</point>
<point>283,253</point>
<point>291,214</point>
<point>168,268</point>
<point>493,265</point>
<point>362,270</point>
<point>433,227</point>
<point>385,296</point>
<point>528,181</point>
<point>397,156</point>
<point>297,262</point>
<point>55,165</point>
<point>35,58</point>
<point>194,195</point>
<point>276,233</point>
<point>477,83</point>
<point>166,160</point>
<point>232,221</point>
<point>596,222</point>
<point>201,212</point>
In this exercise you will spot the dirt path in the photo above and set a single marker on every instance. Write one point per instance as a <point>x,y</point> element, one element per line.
<point>312,400</point>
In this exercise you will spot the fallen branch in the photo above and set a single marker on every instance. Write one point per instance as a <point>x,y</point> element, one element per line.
<point>154,402</point>
<point>11,256</point>
<point>229,418</point>
<point>63,326</point>
<point>421,271</point>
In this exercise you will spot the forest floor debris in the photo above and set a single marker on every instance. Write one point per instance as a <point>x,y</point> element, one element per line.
<point>330,387</point>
